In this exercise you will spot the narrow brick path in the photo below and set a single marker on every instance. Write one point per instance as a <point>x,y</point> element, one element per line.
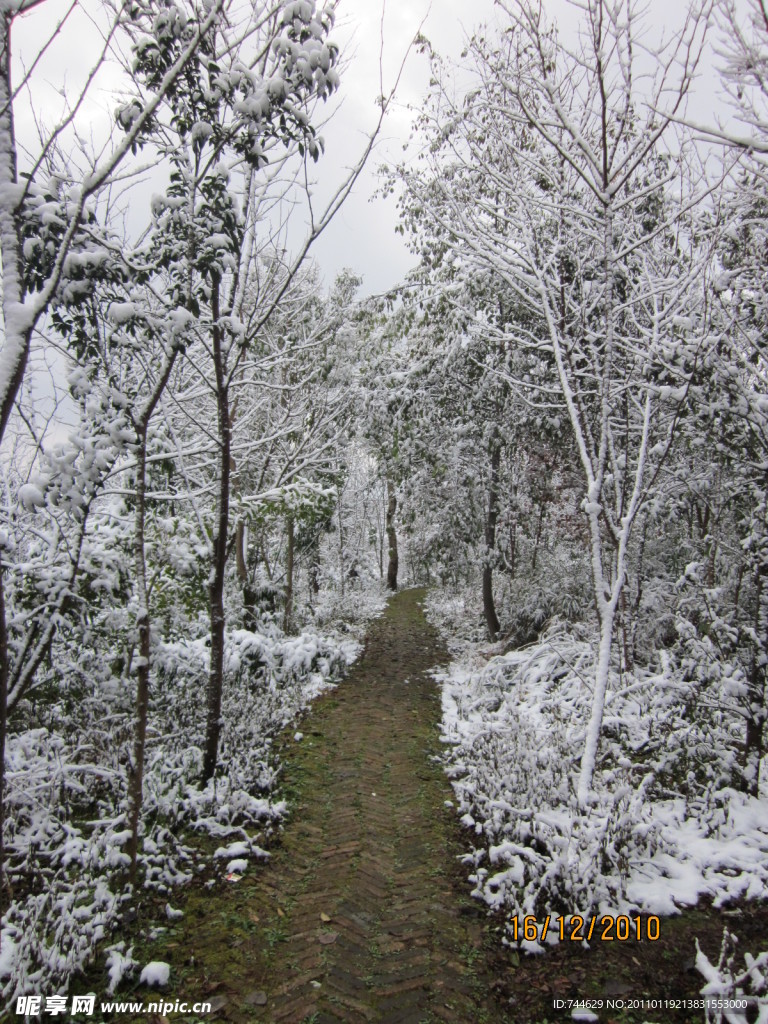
<point>361,913</point>
<point>371,849</point>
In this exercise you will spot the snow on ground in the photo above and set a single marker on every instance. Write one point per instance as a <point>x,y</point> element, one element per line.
<point>155,974</point>
<point>666,825</point>
<point>66,784</point>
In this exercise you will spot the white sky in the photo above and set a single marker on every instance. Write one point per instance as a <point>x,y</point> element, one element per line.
<point>363,235</point>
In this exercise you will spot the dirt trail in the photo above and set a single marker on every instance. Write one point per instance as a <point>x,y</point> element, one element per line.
<point>360,915</point>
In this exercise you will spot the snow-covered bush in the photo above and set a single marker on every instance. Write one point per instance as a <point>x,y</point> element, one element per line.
<point>745,987</point>
<point>269,680</point>
<point>663,825</point>
<point>66,829</point>
<point>516,729</point>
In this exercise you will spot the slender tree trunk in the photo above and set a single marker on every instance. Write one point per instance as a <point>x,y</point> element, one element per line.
<point>739,582</point>
<point>342,572</point>
<point>221,530</point>
<point>392,564</point>
<point>4,665</point>
<point>537,539</point>
<point>489,607</point>
<point>512,549</point>
<point>249,595</point>
<point>639,588</point>
<point>626,634</point>
<point>143,665</point>
<point>288,613</point>
<point>136,775</point>
<point>380,533</point>
<point>757,712</point>
<point>12,363</point>
<point>605,601</point>
<point>17,333</point>
<point>314,565</point>
<point>594,728</point>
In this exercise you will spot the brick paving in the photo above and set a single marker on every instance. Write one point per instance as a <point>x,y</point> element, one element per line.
<point>372,848</point>
<point>362,913</point>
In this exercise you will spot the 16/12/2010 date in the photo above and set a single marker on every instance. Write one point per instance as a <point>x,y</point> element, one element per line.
<point>605,928</point>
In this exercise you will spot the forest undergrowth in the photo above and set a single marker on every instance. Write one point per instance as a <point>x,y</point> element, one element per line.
<point>665,832</point>
<point>66,791</point>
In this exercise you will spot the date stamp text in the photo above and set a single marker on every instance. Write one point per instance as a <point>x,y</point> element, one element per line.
<point>603,928</point>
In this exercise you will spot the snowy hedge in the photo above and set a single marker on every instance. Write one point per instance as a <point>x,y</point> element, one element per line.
<point>67,783</point>
<point>665,825</point>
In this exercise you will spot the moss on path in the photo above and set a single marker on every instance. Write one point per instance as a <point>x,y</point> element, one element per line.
<point>360,914</point>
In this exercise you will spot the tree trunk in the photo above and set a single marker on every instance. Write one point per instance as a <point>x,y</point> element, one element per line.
<point>605,602</point>
<point>594,728</point>
<point>342,572</point>
<point>392,565</point>
<point>221,529</point>
<point>489,607</point>
<point>314,564</point>
<point>17,333</point>
<point>141,714</point>
<point>14,362</point>
<point>136,774</point>
<point>4,664</point>
<point>757,712</point>
<point>288,613</point>
<point>626,635</point>
<point>538,537</point>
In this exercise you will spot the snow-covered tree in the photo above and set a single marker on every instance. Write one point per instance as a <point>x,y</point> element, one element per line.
<point>578,218</point>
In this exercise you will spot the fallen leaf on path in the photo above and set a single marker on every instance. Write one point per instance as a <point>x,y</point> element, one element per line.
<point>616,987</point>
<point>324,918</point>
<point>328,937</point>
<point>280,913</point>
<point>254,916</point>
<point>217,1003</point>
<point>256,998</point>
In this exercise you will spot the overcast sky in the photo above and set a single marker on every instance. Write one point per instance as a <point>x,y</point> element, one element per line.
<point>363,235</point>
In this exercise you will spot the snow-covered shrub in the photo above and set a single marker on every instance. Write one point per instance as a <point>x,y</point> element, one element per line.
<point>66,821</point>
<point>64,854</point>
<point>457,614</point>
<point>269,680</point>
<point>515,727</point>
<point>694,736</point>
<point>353,610</point>
<point>663,826</point>
<point>745,987</point>
<point>558,590</point>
